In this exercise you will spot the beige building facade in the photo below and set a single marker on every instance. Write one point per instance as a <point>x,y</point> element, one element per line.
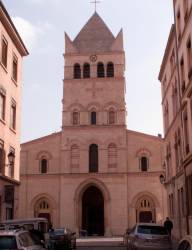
<point>12,51</point>
<point>176,83</point>
<point>94,174</point>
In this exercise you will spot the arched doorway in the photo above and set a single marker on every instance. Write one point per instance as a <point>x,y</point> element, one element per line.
<point>43,210</point>
<point>93,211</point>
<point>145,210</point>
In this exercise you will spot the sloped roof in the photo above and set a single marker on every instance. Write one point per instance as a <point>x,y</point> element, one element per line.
<point>12,31</point>
<point>95,36</point>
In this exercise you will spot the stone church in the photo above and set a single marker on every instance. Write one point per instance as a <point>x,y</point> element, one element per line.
<point>94,174</point>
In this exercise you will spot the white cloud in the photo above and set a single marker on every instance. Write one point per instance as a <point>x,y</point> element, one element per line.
<point>29,32</point>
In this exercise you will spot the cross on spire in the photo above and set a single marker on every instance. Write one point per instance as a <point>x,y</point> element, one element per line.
<point>95,2</point>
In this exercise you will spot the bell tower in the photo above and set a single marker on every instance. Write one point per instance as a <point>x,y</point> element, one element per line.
<point>94,111</point>
<point>94,84</point>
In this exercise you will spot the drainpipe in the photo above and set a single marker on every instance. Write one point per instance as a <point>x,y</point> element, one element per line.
<point>180,102</point>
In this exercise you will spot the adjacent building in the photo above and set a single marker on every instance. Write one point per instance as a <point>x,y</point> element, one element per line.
<point>176,84</point>
<point>94,174</point>
<point>12,50</point>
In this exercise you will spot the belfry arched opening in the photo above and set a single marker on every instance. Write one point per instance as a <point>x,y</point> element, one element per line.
<point>93,211</point>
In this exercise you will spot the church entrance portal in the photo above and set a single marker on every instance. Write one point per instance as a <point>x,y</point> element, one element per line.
<point>93,211</point>
<point>145,209</point>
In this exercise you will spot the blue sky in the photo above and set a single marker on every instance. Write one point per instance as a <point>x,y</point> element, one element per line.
<point>41,23</point>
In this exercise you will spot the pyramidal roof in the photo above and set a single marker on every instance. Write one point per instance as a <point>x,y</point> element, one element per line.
<point>95,36</point>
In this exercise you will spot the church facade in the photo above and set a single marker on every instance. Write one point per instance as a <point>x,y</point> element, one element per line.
<point>94,174</point>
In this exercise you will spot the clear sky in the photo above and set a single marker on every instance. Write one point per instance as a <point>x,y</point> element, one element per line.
<point>41,23</point>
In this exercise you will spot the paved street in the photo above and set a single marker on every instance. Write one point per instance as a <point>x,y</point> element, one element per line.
<point>114,243</point>
<point>106,248</point>
<point>102,248</point>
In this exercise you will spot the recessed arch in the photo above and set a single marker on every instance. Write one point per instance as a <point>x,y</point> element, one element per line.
<point>43,205</point>
<point>75,106</point>
<point>80,189</point>
<point>142,194</point>
<point>43,153</point>
<point>93,106</point>
<point>143,152</point>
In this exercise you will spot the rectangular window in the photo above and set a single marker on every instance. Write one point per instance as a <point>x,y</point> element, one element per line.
<point>2,103</point>
<point>2,157</point>
<point>186,132</point>
<point>171,205</point>
<point>4,52</point>
<point>13,115</point>
<point>164,86</point>
<point>12,164</point>
<point>182,202</point>
<point>182,69</point>
<point>185,8</point>
<point>172,61</point>
<point>178,22</point>
<point>189,194</point>
<point>14,68</point>
<point>191,106</point>
<point>189,58</point>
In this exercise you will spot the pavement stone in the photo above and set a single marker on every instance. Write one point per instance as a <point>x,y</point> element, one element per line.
<point>106,243</point>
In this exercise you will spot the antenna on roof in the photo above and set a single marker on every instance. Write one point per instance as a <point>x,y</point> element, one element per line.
<point>95,2</point>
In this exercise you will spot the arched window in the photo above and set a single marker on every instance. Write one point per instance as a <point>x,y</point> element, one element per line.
<point>143,163</point>
<point>86,70</point>
<point>112,155</point>
<point>74,156</point>
<point>75,118</point>
<point>77,71</point>
<point>43,166</point>
<point>100,70</point>
<point>110,69</point>
<point>93,118</point>
<point>93,158</point>
<point>43,205</point>
<point>111,117</point>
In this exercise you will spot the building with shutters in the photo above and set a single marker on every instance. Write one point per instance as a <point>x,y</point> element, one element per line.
<point>12,51</point>
<point>176,84</point>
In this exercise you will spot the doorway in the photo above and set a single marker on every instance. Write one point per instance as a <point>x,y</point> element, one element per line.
<point>93,211</point>
<point>145,210</point>
<point>145,216</point>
